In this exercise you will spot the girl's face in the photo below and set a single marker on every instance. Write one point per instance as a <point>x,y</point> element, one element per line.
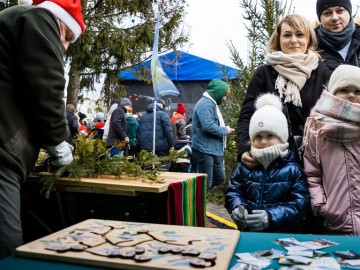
<point>293,41</point>
<point>265,139</point>
<point>350,93</point>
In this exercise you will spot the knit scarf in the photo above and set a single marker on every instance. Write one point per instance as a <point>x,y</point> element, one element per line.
<point>337,41</point>
<point>221,119</point>
<point>267,155</point>
<point>294,70</point>
<point>336,119</point>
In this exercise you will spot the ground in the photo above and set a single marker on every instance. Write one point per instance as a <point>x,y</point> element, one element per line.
<point>217,215</point>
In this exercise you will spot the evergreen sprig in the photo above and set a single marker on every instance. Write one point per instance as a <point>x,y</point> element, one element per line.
<point>92,160</point>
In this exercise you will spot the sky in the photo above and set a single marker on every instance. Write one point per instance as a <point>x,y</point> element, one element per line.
<point>215,23</point>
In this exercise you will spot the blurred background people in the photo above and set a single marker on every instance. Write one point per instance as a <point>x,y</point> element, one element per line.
<point>118,129</point>
<point>72,122</point>
<point>164,140</point>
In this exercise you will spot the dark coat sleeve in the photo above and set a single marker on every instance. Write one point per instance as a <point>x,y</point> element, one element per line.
<point>118,124</point>
<point>42,73</point>
<point>235,192</point>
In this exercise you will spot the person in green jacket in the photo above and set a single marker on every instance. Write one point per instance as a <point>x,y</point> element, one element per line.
<point>33,39</point>
<point>132,132</point>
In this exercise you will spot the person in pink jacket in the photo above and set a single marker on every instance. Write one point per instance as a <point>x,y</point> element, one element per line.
<point>332,153</point>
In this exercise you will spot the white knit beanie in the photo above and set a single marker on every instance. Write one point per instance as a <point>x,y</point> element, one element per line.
<point>269,117</point>
<point>344,76</point>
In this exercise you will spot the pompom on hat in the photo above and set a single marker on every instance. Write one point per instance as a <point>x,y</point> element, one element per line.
<point>67,11</point>
<point>181,108</point>
<point>269,117</point>
<point>344,76</point>
<point>321,5</point>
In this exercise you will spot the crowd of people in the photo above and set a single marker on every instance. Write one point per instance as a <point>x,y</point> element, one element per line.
<point>309,88</point>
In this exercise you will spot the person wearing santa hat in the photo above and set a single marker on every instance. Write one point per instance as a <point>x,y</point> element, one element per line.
<point>178,123</point>
<point>33,38</point>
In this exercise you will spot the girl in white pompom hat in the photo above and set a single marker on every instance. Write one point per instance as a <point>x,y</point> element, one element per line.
<point>273,196</point>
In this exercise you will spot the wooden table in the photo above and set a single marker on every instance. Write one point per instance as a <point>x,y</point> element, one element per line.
<point>100,238</point>
<point>248,242</point>
<point>179,200</point>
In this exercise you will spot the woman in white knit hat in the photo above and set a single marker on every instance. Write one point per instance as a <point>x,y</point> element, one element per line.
<point>273,196</point>
<point>332,153</point>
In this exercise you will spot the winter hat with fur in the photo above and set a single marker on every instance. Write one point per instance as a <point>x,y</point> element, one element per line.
<point>344,76</point>
<point>269,117</point>
<point>321,5</point>
<point>181,108</point>
<point>67,11</point>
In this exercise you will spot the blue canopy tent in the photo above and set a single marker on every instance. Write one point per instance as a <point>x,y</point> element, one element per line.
<point>189,73</point>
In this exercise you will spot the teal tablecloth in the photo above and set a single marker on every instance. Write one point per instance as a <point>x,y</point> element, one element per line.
<point>259,241</point>
<point>248,242</point>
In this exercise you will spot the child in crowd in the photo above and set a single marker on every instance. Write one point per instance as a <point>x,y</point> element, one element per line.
<point>83,129</point>
<point>273,196</point>
<point>332,153</point>
<point>182,164</point>
<point>178,123</point>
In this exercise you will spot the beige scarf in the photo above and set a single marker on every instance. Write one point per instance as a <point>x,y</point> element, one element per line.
<point>267,155</point>
<point>294,70</point>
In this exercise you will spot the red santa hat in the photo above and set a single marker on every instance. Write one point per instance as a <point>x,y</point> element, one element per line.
<point>67,11</point>
<point>181,108</point>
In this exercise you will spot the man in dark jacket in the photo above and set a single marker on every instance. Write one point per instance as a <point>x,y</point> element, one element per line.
<point>72,122</point>
<point>32,41</point>
<point>164,140</point>
<point>338,36</point>
<point>118,128</point>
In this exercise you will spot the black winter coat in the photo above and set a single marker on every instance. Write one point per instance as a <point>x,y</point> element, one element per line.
<point>281,190</point>
<point>263,81</point>
<point>333,59</point>
<point>73,125</point>
<point>118,126</point>
<point>32,83</point>
<point>164,139</point>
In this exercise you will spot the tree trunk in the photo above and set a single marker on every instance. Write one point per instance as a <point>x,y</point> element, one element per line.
<point>73,86</point>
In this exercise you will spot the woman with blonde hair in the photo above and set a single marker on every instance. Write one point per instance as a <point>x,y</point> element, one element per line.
<point>294,72</point>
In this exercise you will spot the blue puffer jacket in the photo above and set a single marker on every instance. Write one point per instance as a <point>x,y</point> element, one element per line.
<point>163,134</point>
<point>281,190</point>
